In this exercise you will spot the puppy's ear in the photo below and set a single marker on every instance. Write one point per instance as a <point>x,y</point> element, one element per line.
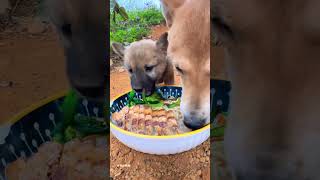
<point>163,43</point>
<point>168,9</point>
<point>118,48</point>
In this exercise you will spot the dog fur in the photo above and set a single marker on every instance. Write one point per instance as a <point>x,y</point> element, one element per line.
<point>189,49</point>
<point>82,28</point>
<point>147,63</point>
<point>272,52</point>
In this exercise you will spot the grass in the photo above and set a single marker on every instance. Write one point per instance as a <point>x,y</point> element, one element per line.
<point>136,27</point>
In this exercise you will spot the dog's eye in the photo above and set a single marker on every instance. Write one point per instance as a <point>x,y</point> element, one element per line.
<point>179,69</point>
<point>66,30</point>
<point>130,70</point>
<point>148,68</point>
<point>221,30</point>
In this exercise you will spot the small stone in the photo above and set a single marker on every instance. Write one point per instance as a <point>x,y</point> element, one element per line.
<point>203,160</point>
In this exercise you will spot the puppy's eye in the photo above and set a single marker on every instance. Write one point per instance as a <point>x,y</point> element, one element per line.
<point>130,70</point>
<point>148,68</point>
<point>179,69</point>
<point>220,30</point>
<point>66,30</point>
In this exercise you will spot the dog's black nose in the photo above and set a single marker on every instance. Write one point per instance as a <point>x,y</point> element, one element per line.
<point>91,92</point>
<point>194,122</point>
<point>138,90</point>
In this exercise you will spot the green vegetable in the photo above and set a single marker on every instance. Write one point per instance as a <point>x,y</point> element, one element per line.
<point>155,101</point>
<point>76,126</point>
<point>59,137</point>
<point>217,132</point>
<point>58,133</point>
<point>158,105</point>
<point>69,107</point>
<point>87,126</point>
<point>70,133</point>
<point>174,104</point>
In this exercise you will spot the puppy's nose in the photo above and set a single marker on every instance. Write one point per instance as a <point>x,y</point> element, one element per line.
<point>193,122</point>
<point>138,90</point>
<point>91,92</point>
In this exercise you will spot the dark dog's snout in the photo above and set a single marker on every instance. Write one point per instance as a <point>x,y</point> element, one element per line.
<point>137,90</point>
<point>194,122</point>
<point>91,92</point>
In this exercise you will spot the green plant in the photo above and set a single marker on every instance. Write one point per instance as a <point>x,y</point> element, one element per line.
<point>136,26</point>
<point>117,9</point>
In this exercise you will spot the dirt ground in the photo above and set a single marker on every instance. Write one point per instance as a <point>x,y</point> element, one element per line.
<point>31,69</point>
<point>129,164</point>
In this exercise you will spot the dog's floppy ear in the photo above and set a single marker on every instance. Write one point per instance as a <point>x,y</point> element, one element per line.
<point>168,9</point>
<point>118,48</point>
<point>162,43</point>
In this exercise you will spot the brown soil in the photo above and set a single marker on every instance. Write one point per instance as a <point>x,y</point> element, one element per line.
<point>127,163</point>
<point>33,66</point>
<point>157,31</point>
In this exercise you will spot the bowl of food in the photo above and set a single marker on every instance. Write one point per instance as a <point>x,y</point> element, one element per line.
<point>154,124</point>
<point>58,138</point>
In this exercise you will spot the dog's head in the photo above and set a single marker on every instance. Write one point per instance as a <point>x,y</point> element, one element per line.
<point>146,61</point>
<point>81,26</point>
<point>189,50</point>
<point>272,53</point>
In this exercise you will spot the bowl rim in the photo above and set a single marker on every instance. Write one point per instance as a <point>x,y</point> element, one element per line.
<point>113,126</point>
<point>33,107</point>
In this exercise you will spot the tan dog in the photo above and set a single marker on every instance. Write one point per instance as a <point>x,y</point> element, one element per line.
<point>189,49</point>
<point>147,63</point>
<point>272,54</point>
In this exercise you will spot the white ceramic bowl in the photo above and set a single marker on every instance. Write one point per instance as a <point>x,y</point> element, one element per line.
<point>160,145</point>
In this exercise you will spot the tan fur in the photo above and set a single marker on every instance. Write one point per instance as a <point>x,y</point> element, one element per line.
<point>218,69</point>
<point>146,53</point>
<point>189,49</point>
<point>272,54</point>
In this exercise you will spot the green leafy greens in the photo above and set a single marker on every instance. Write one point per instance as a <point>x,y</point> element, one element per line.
<point>154,101</point>
<point>76,126</point>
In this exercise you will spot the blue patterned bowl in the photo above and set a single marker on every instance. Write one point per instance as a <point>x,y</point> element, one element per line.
<point>22,136</point>
<point>160,145</point>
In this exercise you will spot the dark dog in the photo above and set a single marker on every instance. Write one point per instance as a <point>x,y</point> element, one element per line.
<point>272,52</point>
<point>82,28</point>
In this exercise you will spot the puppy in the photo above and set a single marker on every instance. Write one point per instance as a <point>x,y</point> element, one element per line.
<point>147,63</point>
